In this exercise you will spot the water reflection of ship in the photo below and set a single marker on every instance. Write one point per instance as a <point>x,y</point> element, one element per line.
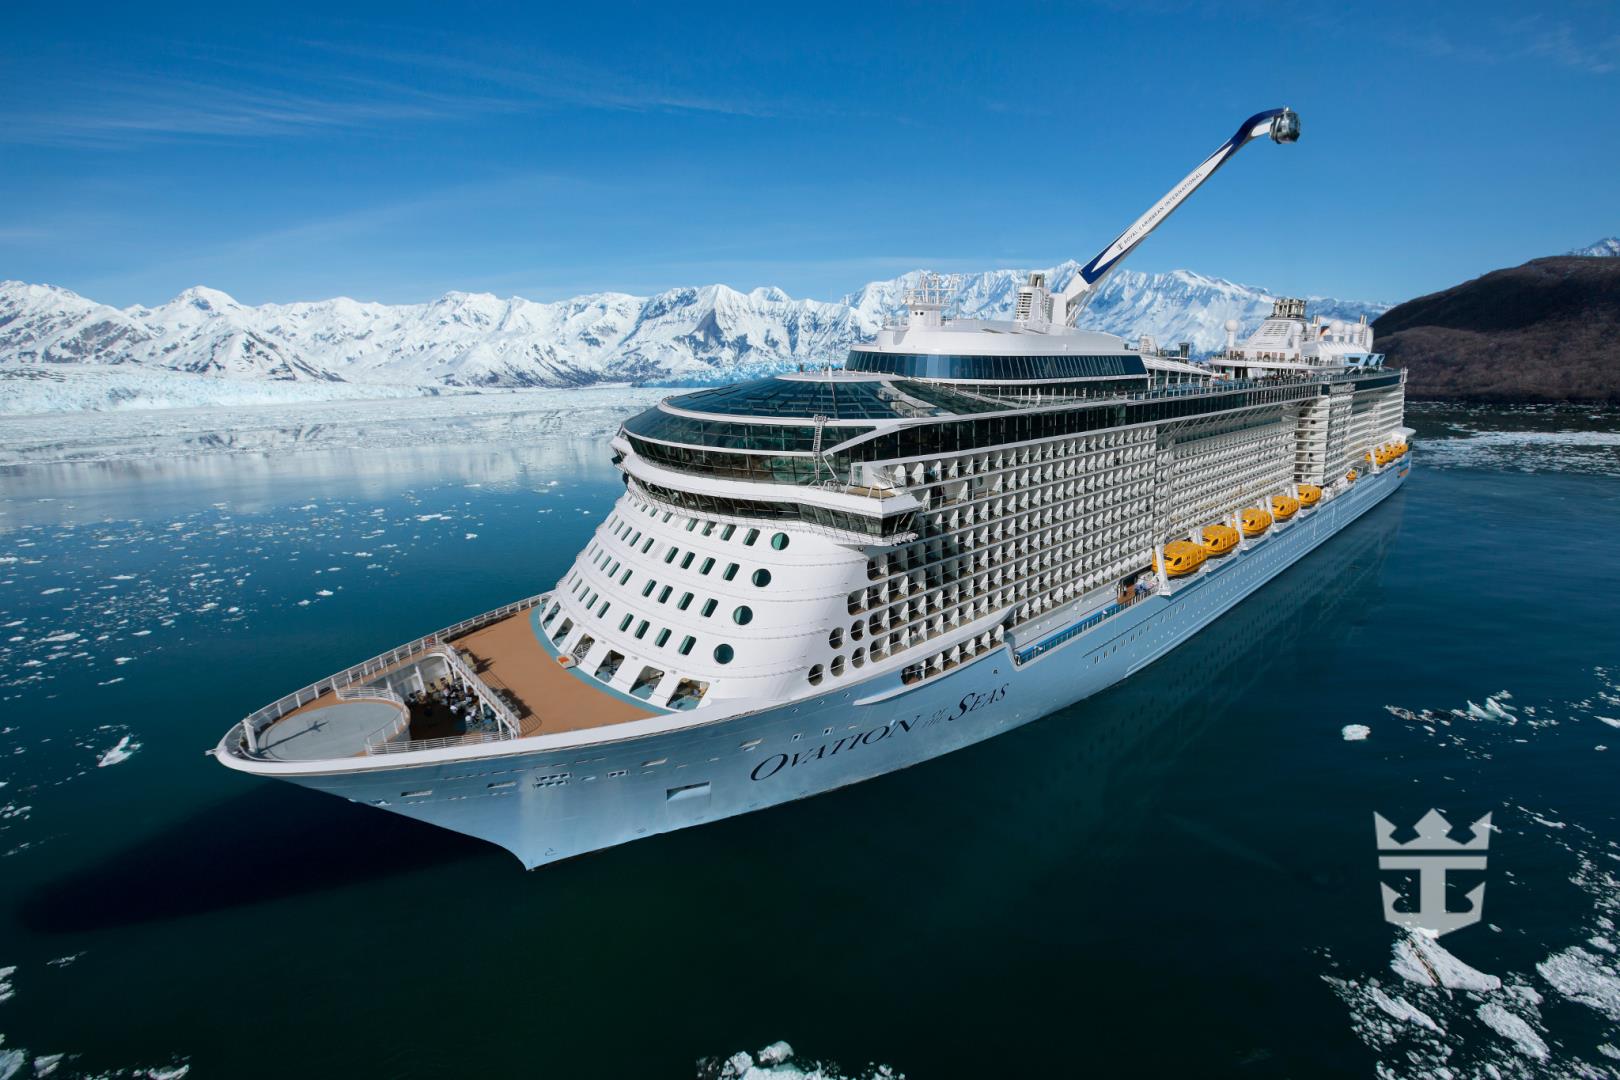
<point>1090,778</point>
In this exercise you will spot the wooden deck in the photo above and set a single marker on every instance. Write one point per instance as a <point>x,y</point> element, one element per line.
<point>506,656</point>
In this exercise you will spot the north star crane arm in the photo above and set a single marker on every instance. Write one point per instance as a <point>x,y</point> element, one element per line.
<point>1283,127</point>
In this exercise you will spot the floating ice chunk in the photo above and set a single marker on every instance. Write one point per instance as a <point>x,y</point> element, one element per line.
<point>121,660</point>
<point>470,536</point>
<point>1514,1029</point>
<point>6,992</point>
<point>60,635</point>
<point>1608,1051</point>
<point>776,1053</point>
<point>53,592</point>
<point>1583,977</point>
<point>325,592</point>
<point>1355,732</point>
<point>173,1072</point>
<point>11,1061</point>
<point>123,751</point>
<point>1611,721</point>
<point>1420,958</point>
<point>46,1064</point>
<point>140,633</point>
<point>1403,1010</point>
<point>64,961</point>
<point>303,603</point>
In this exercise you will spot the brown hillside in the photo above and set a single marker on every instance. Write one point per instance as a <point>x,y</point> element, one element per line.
<point>1545,331</point>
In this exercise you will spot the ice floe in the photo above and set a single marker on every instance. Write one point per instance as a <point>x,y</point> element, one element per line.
<point>1422,959</point>
<point>1584,977</point>
<point>1513,1028</point>
<point>121,752</point>
<point>1355,732</point>
<point>6,990</point>
<point>778,1062</point>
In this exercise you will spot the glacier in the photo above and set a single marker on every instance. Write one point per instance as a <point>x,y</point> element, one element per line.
<point>60,351</point>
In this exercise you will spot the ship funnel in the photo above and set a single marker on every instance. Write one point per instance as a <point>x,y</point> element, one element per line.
<point>1285,127</point>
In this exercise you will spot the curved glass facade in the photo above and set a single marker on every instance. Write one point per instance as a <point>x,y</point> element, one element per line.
<point>693,502</point>
<point>994,368</point>
<point>735,435</point>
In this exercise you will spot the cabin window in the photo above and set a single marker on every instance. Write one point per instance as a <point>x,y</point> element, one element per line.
<point>752,535</point>
<point>762,578</point>
<point>685,601</point>
<point>641,629</point>
<point>562,631</point>
<point>624,623</point>
<point>731,571</point>
<point>709,605</point>
<point>688,693</point>
<point>646,683</point>
<point>835,640</point>
<point>663,595</point>
<point>780,541</point>
<point>663,636</point>
<point>609,666</point>
<point>686,645</point>
<point>723,654</point>
<point>726,533</point>
<point>743,615</point>
<point>687,562</point>
<point>815,675</point>
<point>837,667</point>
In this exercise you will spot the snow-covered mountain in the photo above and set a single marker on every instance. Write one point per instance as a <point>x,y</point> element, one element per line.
<point>475,340</point>
<point>1608,247</point>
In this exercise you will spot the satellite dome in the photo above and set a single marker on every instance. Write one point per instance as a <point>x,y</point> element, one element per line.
<point>1231,326</point>
<point>1337,327</point>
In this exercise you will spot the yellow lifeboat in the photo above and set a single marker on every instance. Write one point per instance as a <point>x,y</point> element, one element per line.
<point>1383,455</point>
<point>1309,495</point>
<point>1284,507</point>
<point>1255,521</point>
<point>1367,457</point>
<point>1351,476</point>
<point>1219,539</point>
<point>1181,557</point>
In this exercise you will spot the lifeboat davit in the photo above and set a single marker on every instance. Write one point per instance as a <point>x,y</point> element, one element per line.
<point>1181,557</point>
<point>1309,495</point>
<point>1219,539</point>
<point>1255,521</point>
<point>1284,507</point>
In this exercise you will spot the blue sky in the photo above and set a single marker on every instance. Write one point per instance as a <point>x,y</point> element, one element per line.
<point>298,152</point>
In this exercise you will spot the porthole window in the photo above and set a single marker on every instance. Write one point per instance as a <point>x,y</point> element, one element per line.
<point>743,615</point>
<point>780,541</point>
<point>835,640</point>
<point>858,657</point>
<point>838,665</point>
<point>815,675</point>
<point>857,630</point>
<point>762,577</point>
<point>723,654</point>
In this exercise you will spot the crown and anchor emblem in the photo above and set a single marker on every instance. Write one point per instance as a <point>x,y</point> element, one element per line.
<point>1432,853</point>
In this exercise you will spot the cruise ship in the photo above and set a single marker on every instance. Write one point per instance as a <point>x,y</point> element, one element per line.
<point>822,577</point>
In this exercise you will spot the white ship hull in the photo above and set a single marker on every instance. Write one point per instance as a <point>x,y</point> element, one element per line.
<point>555,804</point>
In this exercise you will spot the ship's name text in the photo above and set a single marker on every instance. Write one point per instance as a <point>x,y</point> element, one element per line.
<point>969,703</point>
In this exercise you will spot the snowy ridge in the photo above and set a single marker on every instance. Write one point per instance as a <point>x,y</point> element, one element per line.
<point>1608,247</point>
<point>49,335</point>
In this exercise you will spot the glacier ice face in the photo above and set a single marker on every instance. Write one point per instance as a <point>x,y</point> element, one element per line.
<point>60,351</point>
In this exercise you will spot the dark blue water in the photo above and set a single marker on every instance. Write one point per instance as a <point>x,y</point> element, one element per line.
<point>1176,877</point>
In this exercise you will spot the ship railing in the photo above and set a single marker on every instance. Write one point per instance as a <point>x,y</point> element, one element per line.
<point>255,722</point>
<point>369,693</point>
<point>472,738</point>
